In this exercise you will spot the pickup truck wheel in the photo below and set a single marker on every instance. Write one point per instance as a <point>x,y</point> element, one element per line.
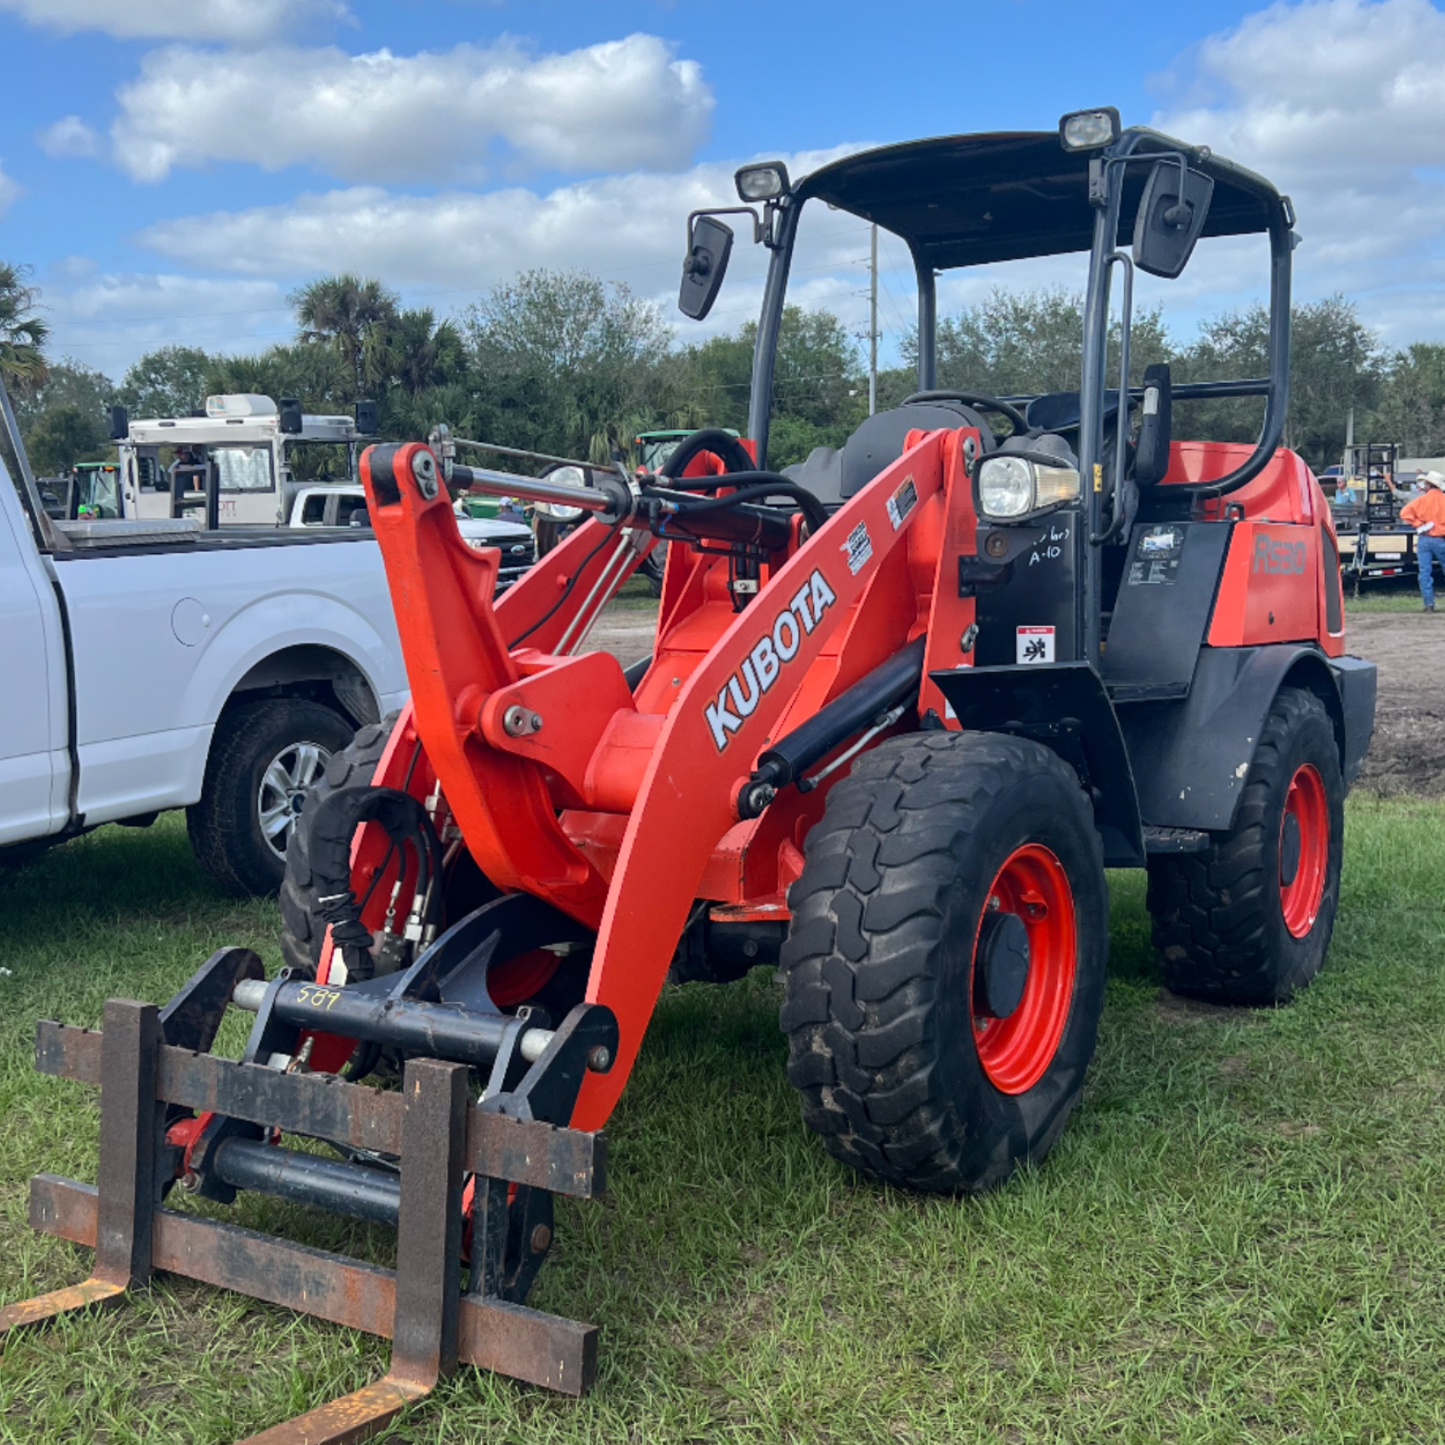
<point>265,756</point>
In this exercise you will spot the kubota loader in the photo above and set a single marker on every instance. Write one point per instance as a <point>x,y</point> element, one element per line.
<point>906,702</point>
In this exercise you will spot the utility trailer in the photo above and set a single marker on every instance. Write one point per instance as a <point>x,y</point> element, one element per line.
<point>905,703</point>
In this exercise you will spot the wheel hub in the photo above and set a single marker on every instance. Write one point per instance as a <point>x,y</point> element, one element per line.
<point>1002,972</point>
<point>1289,850</point>
<point>282,794</point>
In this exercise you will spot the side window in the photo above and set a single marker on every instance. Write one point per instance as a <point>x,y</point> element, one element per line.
<point>243,469</point>
<point>313,514</point>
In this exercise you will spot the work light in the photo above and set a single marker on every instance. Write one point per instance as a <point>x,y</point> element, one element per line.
<point>1088,130</point>
<point>762,183</point>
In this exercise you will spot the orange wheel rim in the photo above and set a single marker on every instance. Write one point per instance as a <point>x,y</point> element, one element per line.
<point>1304,850</point>
<point>1016,1051</point>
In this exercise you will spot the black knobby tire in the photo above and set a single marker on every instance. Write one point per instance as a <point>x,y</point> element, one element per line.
<point>879,1008</point>
<point>225,825</point>
<point>303,929</point>
<point>1218,916</point>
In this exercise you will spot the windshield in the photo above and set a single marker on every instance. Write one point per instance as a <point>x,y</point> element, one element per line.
<point>243,469</point>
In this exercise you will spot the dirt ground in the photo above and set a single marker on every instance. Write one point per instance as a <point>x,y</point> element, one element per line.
<point>1407,756</point>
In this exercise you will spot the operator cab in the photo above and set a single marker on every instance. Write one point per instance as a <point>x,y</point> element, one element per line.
<point>1079,472</point>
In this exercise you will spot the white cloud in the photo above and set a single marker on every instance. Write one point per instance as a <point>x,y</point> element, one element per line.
<point>626,227</point>
<point>243,22</point>
<point>109,320</point>
<point>1339,102</point>
<point>68,137</point>
<point>435,116</point>
<point>9,191</point>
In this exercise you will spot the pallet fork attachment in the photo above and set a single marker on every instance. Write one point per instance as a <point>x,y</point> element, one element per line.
<point>433,1317</point>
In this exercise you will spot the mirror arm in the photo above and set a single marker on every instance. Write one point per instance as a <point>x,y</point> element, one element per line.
<point>759,230</point>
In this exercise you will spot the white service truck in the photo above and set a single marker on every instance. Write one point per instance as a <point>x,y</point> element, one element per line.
<point>151,664</point>
<point>245,452</point>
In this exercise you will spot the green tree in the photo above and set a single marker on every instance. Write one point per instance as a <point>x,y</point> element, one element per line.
<point>348,315</point>
<point>67,383</point>
<point>168,382</point>
<point>22,332</point>
<point>65,435</point>
<point>820,393</point>
<point>1411,407</point>
<point>1334,365</point>
<point>560,359</point>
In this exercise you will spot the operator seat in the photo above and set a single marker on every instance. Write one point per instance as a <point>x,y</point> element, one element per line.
<point>834,474</point>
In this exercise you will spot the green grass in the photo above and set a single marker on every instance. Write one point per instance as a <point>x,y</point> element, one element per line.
<point>1240,1237</point>
<point>1378,599</point>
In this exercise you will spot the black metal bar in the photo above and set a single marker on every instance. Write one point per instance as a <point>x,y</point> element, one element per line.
<point>770,318</point>
<point>131,1132</point>
<point>1183,391</point>
<point>851,710</point>
<point>351,1189</point>
<point>430,1030</point>
<point>927,324</point>
<point>429,1237</point>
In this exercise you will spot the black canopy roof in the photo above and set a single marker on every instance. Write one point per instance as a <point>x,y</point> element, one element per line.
<point>966,199</point>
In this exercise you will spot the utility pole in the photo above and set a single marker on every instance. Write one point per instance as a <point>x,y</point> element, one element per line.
<point>873,319</point>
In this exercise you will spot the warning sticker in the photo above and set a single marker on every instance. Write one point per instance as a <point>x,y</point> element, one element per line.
<point>902,502</point>
<point>1034,644</point>
<point>858,548</point>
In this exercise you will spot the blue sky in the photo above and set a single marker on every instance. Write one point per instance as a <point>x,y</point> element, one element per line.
<point>172,168</point>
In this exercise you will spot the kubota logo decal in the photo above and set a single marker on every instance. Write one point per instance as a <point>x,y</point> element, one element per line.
<point>743,691</point>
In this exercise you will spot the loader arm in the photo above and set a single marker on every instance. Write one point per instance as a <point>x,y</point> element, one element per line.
<point>676,774</point>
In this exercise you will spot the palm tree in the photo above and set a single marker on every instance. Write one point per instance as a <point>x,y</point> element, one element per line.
<point>345,312</point>
<point>22,332</point>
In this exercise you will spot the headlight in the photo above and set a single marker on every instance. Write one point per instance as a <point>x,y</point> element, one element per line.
<point>1010,485</point>
<point>560,511</point>
<point>1005,486</point>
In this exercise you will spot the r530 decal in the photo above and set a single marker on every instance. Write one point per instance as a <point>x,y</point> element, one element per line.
<point>1280,557</point>
<point>762,667</point>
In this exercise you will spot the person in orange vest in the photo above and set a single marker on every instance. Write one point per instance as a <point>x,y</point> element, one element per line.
<point>1426,514</point>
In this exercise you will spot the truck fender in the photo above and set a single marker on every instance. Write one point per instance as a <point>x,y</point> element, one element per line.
<point>274,625</point>
<point>1066,707</point>
<point>1192,757</point>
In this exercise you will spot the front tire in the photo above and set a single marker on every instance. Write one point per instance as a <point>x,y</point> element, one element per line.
<point>945,965</point>
<point>264,758</point>
<point>1249,920</point>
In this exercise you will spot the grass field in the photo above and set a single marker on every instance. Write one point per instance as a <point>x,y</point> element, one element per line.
<point>1241,1236</point>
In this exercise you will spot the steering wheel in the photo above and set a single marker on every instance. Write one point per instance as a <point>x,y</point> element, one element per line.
<point>1018,423</point>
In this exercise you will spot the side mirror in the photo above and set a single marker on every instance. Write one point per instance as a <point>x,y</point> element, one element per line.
<point>1171,216</point>
<point>709,244</point>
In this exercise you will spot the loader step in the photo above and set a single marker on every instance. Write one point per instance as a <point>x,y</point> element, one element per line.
<point>1174,840</point>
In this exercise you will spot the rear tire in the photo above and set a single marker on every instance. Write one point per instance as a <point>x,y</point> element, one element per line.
<point>254,741</point>
<point>1249,920</point>
<point>901,1070</point>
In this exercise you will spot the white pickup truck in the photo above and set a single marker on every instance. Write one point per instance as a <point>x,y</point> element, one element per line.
<point>150,664</point>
